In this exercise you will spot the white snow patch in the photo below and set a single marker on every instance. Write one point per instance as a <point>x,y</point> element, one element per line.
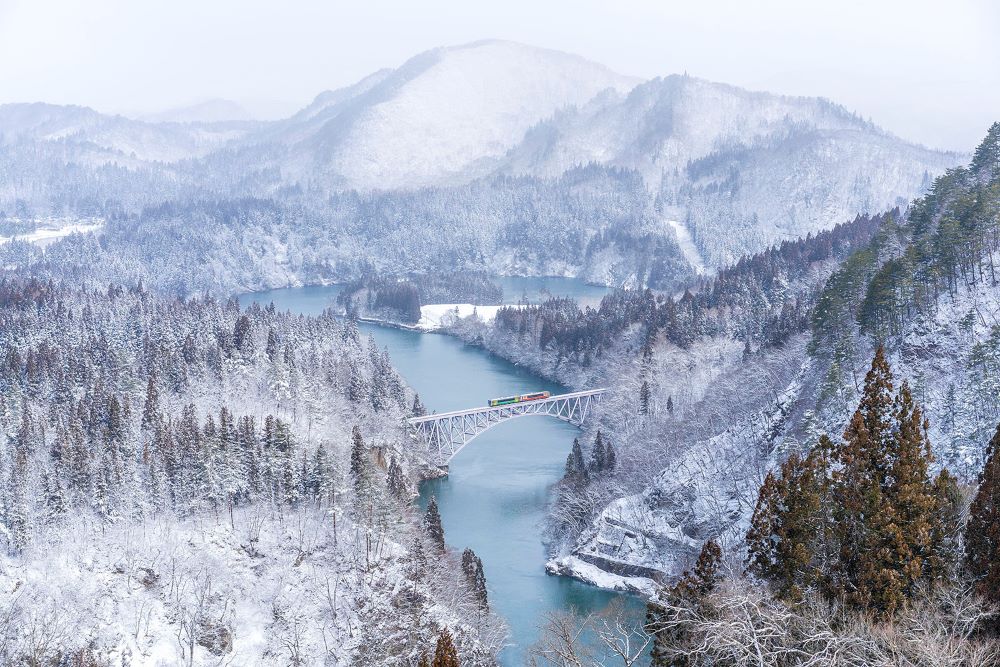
<point>436,316</point>
<point>688,247</point>
<point>49,234</point>
<point>591,574</point>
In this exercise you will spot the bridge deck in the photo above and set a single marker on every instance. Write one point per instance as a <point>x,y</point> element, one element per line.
<point>485,408</point>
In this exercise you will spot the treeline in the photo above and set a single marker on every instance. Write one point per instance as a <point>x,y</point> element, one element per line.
<point>952,236</point>
<point>100,390</point>
<point>949,241</point>
<point>125,411</point>
<point>856,554</point>
<point>400,298</point>
<point>761,300</point>
<point>934,266</point>
<point>247,243</point>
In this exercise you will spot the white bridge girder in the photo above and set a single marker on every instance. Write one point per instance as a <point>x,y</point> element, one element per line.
<point>446,433</point>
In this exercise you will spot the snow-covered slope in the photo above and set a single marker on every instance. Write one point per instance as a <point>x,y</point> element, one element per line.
<point>744,169</point>
<point>94,138</point>
<point>662,124</point>
<point>440,113</point>
<point>209,111</point>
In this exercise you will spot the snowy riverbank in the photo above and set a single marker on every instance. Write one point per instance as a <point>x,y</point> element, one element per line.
<point>437,316</point>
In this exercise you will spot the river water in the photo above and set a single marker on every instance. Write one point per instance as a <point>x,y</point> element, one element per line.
<point>494,497</point>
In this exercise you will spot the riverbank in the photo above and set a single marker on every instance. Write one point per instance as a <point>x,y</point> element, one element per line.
<point>497,493</point>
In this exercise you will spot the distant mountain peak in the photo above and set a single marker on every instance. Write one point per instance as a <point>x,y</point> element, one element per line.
<point>215,110</point>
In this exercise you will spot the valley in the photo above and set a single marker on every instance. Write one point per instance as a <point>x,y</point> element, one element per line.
<point>214,328</point>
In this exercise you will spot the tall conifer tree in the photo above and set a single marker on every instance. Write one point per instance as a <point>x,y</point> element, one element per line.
<point>982,533</point>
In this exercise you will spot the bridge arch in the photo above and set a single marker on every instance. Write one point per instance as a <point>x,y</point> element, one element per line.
<point>446,434</point>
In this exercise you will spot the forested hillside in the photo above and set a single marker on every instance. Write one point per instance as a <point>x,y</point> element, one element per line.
<point>592,220</point>
<point>186,482</point>
<point>713,387</point>
<point>557,167</point>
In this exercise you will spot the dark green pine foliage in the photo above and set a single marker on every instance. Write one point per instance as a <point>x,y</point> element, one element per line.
<point>271,347</point>
<point>472,567</point>
<point>644,398</point>
<point>576,469</point>
<point>361,472</point>
<point>598,455</point>
<point>986,159</point>
<point>418,408</point>
<point>982,533</point>
<point>602,456</point>
<point>395,481</point>
<point>432,525</point>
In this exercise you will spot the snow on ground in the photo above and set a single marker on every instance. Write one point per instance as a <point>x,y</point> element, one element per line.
<point>590,573</point>
<point>688,247</point>
<point>52,231</point>
<point>436,316</point>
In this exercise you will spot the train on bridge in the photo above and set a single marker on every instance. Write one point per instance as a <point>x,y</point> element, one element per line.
<point>522,398</point>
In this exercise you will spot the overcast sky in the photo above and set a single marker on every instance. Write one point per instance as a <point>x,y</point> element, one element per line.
<point>928,71</point>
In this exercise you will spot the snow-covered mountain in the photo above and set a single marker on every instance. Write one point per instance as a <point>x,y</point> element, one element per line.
<point>93,138</point>
<point>433,119</point>
<point>726,171</point>
<point>743,169</point>
<point>208,111</point>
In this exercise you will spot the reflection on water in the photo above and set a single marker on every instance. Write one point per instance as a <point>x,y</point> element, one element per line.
<point>495,496</point>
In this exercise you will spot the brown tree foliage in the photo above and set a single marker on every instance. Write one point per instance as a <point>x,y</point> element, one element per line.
<point>860,521</point>
<point>445,653</point>
<point>982,534</point>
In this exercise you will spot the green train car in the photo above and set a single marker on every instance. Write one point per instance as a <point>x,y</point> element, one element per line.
<point>510,400</point>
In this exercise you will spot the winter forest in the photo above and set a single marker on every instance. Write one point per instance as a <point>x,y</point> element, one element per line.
<point>216,328</point>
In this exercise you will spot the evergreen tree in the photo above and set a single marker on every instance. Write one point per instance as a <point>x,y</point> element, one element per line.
<point>357,388</point>
<point>472,567</point>
<point>576,468</point>
<point>982,533</point>
<point>784,543</point>
<point>692,592</point>
<point>418,559</point>
<point>271,348</point>
<point>670,404</point>
<point>598,455</point>
<point>445,653</point>
<point>869,539</point>
<point>946,527</point>
<point>861,521</point>
<point>242,333</point>
<point>432,525</point>
<point>319,482</point>
<point>151,406</point>
<point>395,481</point>
<point>418,409</point>
<point>55,499</point>
<point>361,473</point>
<point>644,398</point>
<point>986,159</point>
<point>911,493</point>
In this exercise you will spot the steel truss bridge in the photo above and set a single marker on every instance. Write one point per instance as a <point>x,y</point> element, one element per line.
<point>446,433</point>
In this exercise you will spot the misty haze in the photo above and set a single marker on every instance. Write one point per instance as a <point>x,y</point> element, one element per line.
<point>278,282</point>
